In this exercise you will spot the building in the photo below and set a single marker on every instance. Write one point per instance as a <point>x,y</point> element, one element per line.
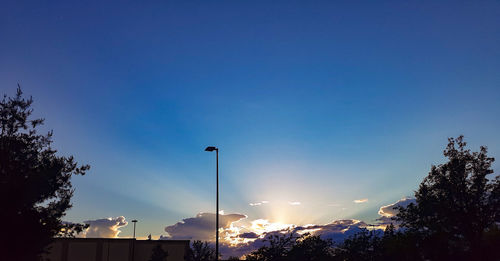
<point>114,249</point>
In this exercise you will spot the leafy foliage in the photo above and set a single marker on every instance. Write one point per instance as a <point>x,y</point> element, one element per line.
<point>278,249</point>
<point>361,246</point>
<point>289,246</point>
<point>201,251</point>
<point>457,205</point>
<point>35,183</point>
<point>367,245</point>
<point>311,248</point>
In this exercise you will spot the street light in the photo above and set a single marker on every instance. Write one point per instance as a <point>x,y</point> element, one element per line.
<point>134,221</point>
<point>210,149</point>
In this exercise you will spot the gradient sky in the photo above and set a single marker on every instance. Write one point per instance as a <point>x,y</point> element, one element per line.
<point>321,103</point>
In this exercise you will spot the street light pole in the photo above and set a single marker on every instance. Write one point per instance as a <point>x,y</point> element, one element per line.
<point>133,243</point>
<point>211,148</point>
<point>217,207</point>
<point>134,221</point>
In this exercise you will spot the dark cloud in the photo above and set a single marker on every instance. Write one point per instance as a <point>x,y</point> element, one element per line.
<point>248,235</point>
<point>338,230</point>
<point>201,227</point>
<point>105,227</point>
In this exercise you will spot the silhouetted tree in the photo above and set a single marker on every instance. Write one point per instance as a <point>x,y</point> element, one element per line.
<point>453,218</point>
<point>364,245</point>
<point>277,250</point>
<point>311,248</point>
<point>201,251</point>
<point>371,245</point>
<point>293,247</point>
<point>456,208</point>
<point>35,184</point>
<point>158,254</point>
<point>396,245</point>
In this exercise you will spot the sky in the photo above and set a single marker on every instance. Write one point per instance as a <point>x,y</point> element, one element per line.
<point>322,110</point>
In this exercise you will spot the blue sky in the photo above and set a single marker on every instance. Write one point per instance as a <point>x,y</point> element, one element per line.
<point>315,102</point>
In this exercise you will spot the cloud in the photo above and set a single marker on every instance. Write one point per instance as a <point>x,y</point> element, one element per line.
<point>294,203</point>
<point>261,226</point>
<point>337,230</point>
<point>201,227</point>
<point>389,211</point>
<point>106,227</point>
<point>259,203</point>
<point>358,201</point>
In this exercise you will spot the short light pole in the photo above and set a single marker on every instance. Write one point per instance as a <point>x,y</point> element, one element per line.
<point>211,148</point>
<point>134,221</point>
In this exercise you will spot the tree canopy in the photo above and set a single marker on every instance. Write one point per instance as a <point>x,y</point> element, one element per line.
<point>201,251</point>
<point>35,183</point>
<point>290,247</point>
<point>456,207</point>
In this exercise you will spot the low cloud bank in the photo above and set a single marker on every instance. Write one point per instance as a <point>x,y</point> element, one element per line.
<point>238,240</point>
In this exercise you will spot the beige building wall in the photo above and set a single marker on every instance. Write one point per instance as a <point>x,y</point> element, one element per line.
<point>104,249</point>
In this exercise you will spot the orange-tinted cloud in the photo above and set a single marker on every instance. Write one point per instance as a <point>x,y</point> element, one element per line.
<point>104,228</point>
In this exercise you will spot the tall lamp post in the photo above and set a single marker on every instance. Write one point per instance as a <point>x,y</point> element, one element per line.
<point>134,221</point>
<point>211,148</point>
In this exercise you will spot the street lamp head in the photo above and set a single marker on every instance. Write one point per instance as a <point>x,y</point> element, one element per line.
<point>135,220</point>
<point>211,148</point>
